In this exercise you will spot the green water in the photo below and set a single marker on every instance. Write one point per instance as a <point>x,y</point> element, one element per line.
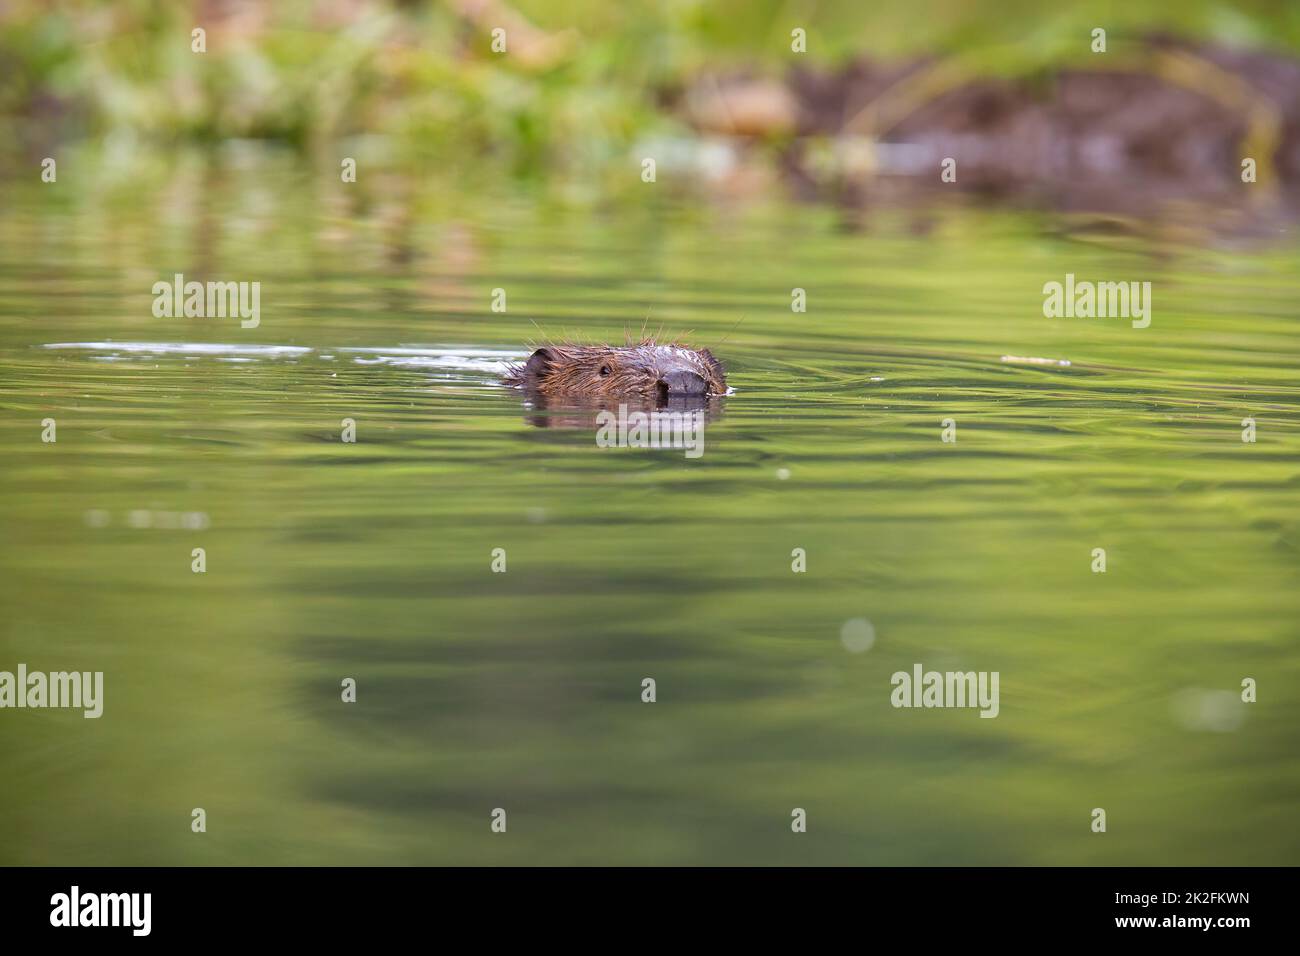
<point>522,690</point>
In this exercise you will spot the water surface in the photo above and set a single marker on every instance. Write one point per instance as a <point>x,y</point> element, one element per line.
<point>522,690</point>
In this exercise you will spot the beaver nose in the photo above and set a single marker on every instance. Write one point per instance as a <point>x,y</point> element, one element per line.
<point>683,383</point>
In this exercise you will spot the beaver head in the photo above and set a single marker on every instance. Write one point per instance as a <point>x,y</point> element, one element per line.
<point>648,369</point>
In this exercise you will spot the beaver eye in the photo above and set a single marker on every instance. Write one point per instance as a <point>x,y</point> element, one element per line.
<point>604,370</point>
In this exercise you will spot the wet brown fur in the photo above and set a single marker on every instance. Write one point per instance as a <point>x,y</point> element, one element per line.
<point>642,368</point>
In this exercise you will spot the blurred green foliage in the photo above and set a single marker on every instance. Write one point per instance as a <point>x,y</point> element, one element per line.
<point>418,83</point>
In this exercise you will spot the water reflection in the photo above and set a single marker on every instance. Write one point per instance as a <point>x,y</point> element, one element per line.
<point>673,412</point>
<point>827,538</point>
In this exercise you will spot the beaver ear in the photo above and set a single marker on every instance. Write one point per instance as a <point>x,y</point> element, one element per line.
<point>538,364</point>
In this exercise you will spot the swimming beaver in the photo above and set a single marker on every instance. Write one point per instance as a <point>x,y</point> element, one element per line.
<point>647,368</point>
